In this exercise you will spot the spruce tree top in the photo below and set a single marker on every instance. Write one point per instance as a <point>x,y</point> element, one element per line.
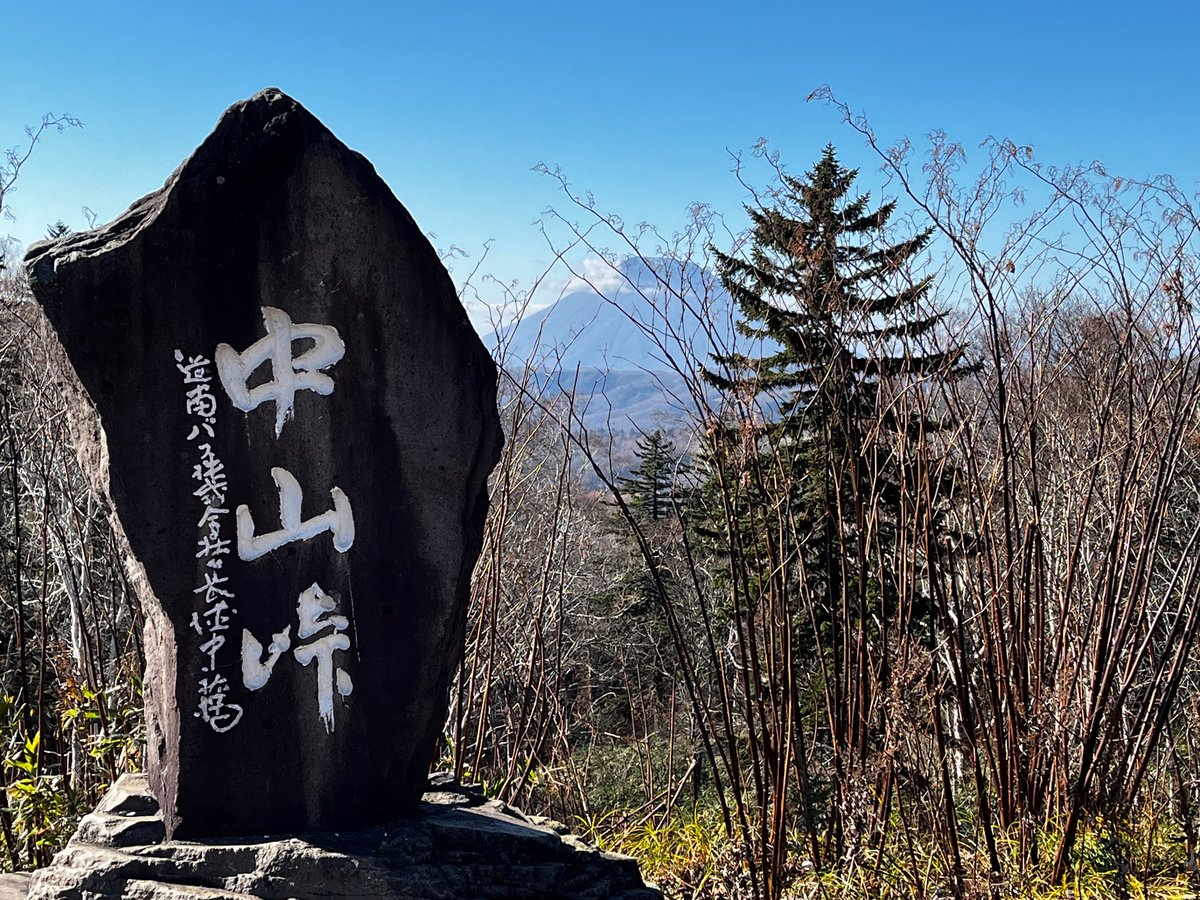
<point>830,296</point>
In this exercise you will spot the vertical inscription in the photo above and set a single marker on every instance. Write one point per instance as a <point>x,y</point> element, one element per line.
<point>317,621</point>
<point>212,619</point>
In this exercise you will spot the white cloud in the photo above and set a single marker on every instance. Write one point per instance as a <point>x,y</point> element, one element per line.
<point>599,274</point>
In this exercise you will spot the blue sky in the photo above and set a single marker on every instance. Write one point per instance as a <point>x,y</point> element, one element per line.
<point>639,103</point>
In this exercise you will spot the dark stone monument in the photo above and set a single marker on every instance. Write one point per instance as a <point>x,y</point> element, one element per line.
<point>293,422</point>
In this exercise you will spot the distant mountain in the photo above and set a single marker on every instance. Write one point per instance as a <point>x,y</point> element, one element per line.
<point>630,317</point>
<point>627,334</point>
<point>622,401</point>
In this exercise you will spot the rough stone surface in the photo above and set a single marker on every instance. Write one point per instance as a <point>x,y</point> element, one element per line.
<point>457,846</point>
<point>14,885</point>
<point>273,220</point>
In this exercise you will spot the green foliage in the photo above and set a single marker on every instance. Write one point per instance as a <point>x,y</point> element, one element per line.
<point>41,807</point>
<point>842,318</point>
<point>686,854</point>
<point>107,724</point>
<point>823,285</point>
<point>653,486</point>
<point>48,788</point>
<point>619,774</point>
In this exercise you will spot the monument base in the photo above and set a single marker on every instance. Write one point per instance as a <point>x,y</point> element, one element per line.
<point>458,845</point>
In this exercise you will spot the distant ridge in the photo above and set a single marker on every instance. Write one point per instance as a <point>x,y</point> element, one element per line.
<point>626,334</point>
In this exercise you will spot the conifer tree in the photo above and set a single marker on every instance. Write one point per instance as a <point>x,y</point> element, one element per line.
<point>651,486</point>
<point>813,509</point>
<point>832,301</point>
<point>823,286</point>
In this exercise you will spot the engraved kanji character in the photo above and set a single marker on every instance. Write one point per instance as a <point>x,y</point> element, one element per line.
<point>210,472</point>
<point>218,617</point>
<point>339,521</point>
<point>211,589</point>
<point>201,402</point>
<point>195,370</point>
<point>210,517</point>
<point>209,648</point>
<point>314,604</point>
<point>256,673</point>
<point>219,715</point>
<point>288,374</point>
<point>210,546</point>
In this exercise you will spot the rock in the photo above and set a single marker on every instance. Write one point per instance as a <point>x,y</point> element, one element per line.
<point>14,885</point>
<point>127,816</point>
<point>273,383</point>
<point>457,846</point>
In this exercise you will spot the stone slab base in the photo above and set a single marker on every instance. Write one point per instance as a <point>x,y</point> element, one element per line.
<point>459,846</point>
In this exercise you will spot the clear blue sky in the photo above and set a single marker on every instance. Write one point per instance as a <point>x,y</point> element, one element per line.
<point>639,103</point>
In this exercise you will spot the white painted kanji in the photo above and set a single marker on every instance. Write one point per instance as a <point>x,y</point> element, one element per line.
<point>315,611</point>
<point>339,521</point>
<point>288,373</point>
<point>213,706</point>
<point>255,672</point>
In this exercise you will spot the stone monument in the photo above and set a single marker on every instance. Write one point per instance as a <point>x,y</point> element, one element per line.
<point>280,395</point>
<point>273,384</point>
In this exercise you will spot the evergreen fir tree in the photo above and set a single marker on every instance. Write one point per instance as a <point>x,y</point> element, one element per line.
<point>652,485</point>
<point>827,293</point>
<point>822,283</point>
<point>812,491</point>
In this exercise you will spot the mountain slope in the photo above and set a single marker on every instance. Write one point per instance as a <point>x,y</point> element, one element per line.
<point>628,334</point>
<point>634,316</point>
